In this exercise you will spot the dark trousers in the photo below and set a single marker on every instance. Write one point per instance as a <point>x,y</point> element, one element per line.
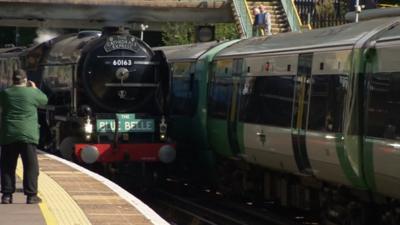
<point>8,164</point>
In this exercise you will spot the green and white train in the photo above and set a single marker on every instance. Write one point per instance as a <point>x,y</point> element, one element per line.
<point>311,119</point>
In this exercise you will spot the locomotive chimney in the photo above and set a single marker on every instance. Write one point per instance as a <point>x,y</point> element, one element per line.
<point>108,31</point>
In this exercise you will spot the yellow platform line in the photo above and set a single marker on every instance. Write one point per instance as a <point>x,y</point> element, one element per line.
<point>58,208</point>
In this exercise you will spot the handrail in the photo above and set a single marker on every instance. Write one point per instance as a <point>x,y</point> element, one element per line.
<point>292,15</point>
<point>380,5</point>
<point>249,13</point>
<point>245,20</point>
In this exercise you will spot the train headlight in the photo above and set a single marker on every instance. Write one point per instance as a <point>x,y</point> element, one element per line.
<point>163,129</point>
<point>162,136</point>
<point>88,128</point>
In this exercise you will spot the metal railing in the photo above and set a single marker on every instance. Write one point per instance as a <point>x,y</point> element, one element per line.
<point>307,10</point>
<point>292,15</point>
<point>244,18</point>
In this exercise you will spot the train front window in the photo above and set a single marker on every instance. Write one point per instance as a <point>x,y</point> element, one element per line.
<point>384,106</point>
<point>383,93</point>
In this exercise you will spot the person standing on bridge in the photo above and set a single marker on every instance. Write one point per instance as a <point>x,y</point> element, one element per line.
<point>257,21</point>
<point>19,134</point>
<point>266,20</point>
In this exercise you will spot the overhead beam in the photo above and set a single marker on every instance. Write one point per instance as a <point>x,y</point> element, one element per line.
<point>75,24</point>
<point>135,3</point>
<point>91,16</point>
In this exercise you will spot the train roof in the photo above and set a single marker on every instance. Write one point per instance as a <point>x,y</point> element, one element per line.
<point>392,34</point>
<point>345,35</point>
<point>187,52</point>
<point>373,14</point>
<point>12,49</point>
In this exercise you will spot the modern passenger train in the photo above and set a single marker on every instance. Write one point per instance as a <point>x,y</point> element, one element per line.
<point>108,96</point>
<point>309,119</point>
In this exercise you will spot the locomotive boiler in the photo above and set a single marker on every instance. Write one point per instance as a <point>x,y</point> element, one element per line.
<point>108,94</point>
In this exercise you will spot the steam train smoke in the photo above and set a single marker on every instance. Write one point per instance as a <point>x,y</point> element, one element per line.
<point>44,35</point>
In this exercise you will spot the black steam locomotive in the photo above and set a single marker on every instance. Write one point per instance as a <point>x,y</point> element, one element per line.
<point>108,94</point>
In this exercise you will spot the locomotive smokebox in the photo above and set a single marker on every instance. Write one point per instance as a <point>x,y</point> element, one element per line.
<point>108,31</point>
<point>119,73</point>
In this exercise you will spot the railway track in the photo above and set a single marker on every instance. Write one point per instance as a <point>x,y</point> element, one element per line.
<point>210,212</point>
<point>182,203</point>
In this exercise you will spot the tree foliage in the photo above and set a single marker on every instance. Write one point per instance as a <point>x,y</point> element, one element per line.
<point>325,8</point>
<point>226,31</point>
<point>184,33</point>
<point>178,33</point>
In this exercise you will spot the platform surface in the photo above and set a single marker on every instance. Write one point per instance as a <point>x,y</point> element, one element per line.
<point>15,214</point>
<point>73,195</point>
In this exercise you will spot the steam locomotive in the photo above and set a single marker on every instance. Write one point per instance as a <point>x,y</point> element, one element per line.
<point>308,120</point>
<point>108,96</point>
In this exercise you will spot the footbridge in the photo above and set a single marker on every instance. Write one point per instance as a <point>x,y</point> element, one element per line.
<point>89,14</point>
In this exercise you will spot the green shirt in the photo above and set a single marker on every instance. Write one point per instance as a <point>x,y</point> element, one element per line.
<point>19,120</point>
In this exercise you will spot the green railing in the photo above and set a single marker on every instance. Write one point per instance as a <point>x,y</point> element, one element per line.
<point>292,15</point>
<point>244,17</point>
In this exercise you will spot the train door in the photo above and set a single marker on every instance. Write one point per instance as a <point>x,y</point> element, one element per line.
<point>266,104</point>
<point>233,126</point>
<point>324,137</point>
<point>182,99</point>
<point>300,111</point>
<point>219,106</point>
<point>183,88</point>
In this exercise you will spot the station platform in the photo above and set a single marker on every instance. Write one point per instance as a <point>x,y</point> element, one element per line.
<point>73,195</point>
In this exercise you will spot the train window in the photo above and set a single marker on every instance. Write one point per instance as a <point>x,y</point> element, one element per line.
<point>267,66</point>
<point>58,77</point>
<point>7,67</point>
<point>384,105</point>
<point>267,100</point>
<point>328,93</point>
<point>181,69</point>
<point>220,91</point>
<point>223,68</point>
<point>57,82</point>
<point>184,86</point>
<point>3,79</point>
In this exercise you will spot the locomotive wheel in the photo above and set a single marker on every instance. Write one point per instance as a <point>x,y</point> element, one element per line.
<point>45,140</point>
<point>67,147</point>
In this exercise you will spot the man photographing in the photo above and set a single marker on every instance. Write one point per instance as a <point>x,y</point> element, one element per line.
<point>19,135</point>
